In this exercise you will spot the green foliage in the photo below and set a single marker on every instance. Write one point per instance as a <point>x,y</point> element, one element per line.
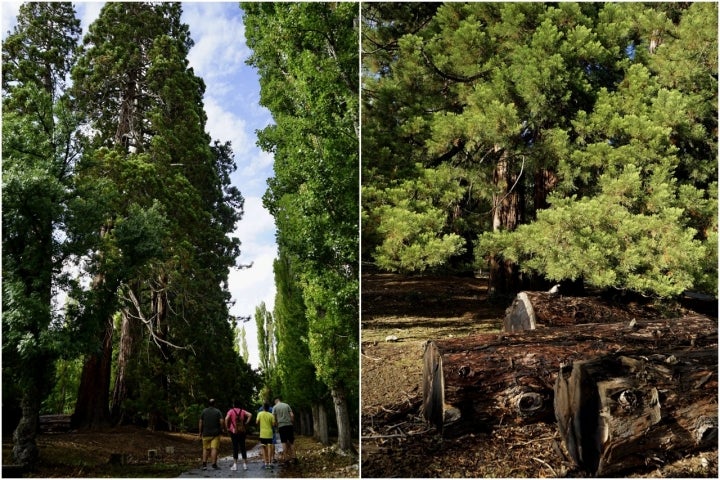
<point>266,340</point>
<point>296,377</point>
<point>412,218</point>
<point>612,109</point>
<point>39,150</point>
<point>64,394</point>
<point>601,241</point>
<point>306,56</point>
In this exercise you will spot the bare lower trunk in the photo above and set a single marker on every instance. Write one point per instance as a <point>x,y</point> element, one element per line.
<point>545,181</point>
<point>320,423</point>
<point>308,425</point>
<point>92,407</point>
<point>129,335</point>
<point>507,215</point>
<point>25,450</point>
<point>342,414</point>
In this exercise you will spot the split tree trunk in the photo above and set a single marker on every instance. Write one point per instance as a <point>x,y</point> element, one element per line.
<point>130,335</point>
<point>480,381</point>
<point>621,411</point>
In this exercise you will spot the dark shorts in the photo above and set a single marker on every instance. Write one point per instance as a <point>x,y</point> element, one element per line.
<point>287,434</point>
<point>266,441</point>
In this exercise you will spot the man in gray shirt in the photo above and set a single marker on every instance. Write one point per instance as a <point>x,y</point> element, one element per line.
<point>285,418</point>
<point>211,426</point>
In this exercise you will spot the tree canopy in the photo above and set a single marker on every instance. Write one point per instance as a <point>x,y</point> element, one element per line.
<point>580,141</point>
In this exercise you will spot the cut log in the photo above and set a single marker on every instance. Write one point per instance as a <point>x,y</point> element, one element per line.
<point>54,423</point>
<point>531,310</point>
<point>621,411</point>
<point>484,380</point>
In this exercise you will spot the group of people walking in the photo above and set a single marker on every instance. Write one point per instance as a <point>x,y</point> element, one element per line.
<point>212,425</point>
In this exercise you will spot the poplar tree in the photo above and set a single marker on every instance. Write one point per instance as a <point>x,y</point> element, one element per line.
<point>307,58</point>
<point>39,154</point>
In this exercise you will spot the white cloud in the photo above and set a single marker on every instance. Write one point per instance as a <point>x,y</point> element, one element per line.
<point>219,36</point>
<point>224,125</point>
<point>88,12</point>
<point>256,225</point>
<point>250,287</point>
<point>8,13</point>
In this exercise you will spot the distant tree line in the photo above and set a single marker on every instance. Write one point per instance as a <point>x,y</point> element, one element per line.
<point>117,214</point>
<point>543,142</point>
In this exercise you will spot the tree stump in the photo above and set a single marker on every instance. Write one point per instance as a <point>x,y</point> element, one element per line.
<point>483,380</point>
<point>520,315</point>
<point>621,411</point>
<point>531,310</point>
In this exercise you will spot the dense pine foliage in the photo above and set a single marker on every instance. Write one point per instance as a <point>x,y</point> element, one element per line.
<point>543,141</point>
<point>114,195</point>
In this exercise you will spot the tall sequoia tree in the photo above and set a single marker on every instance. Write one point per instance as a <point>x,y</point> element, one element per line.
<point>39,153</point>
<point>307,58</point>
<point>164,250</point>
<point>527,104</point>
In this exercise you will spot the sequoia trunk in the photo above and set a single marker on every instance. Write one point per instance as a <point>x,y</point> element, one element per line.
<point>508,204</point>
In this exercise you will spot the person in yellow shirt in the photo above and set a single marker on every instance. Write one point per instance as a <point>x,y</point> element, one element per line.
<point>266,420</point>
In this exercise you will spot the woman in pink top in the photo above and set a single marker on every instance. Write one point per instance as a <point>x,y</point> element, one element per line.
<point>237,420</point>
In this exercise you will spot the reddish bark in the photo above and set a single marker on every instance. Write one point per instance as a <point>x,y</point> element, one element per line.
<point>483,380</point>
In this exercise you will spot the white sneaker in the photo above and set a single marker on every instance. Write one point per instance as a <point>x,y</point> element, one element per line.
<point>234,467</point>
<point>245,466</point>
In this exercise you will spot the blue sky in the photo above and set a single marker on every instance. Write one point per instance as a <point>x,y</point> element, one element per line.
<point>232,105</point>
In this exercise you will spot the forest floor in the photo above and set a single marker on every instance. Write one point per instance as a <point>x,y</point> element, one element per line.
<point>87,454</point>
<point>399,314</point>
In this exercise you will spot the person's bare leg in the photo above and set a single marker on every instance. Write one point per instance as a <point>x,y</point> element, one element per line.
<point>213,456</point>
<point>284,457</point>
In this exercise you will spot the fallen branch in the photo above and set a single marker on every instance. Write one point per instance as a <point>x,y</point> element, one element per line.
<point>404,435</point>
<point>546,464</point>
